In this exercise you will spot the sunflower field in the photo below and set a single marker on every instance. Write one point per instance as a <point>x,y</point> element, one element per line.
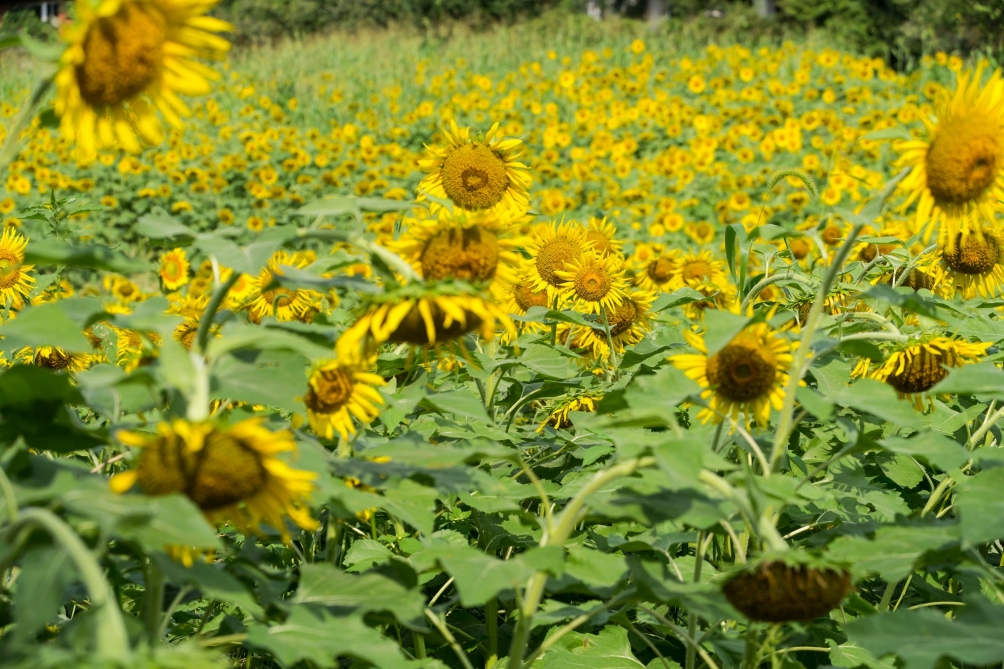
<point>602,350</point>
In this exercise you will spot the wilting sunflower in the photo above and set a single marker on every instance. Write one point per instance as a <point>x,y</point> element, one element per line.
<point>973,265</point>
<point>657,273</point>
<point>476,174</point>
<point>55,358</point>
<point>127,59</point>
<point>174,269</point>
<point>602,234</point>
<point>230,472</point>
<point>913,369</point>
<point>426,315</point>
<point>15,284</point>
<point>269,299</point>
<point>959,168</point>
<point>749,373</point>
<point>629,322</point>
<point>558,418</point>
<point>481,249</point>
<point>552,246</point>
<point>593,283</point>
<point>339,391</point>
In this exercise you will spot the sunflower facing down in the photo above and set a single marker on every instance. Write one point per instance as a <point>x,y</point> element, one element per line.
<point>230,472</point>
<point>748,374</point>
<point>593,283</point>
<point>15,284</point>
<point>959,169</point>
<point>128,59</point>
<point>476,174</point>
<point>54,358</point>
<point>973,266</point>
<point>339,391</point>
<point>422,315</point>
<point>481,249</point>
<point>914,369</point>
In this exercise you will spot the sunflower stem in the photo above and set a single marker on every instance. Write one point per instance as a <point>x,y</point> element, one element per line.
<point>692,621</point>
<point>10,499</point>
<point>206,322</point>
<point>111,639</point>
<point>610,342</point>
<point>153,599</point>
<point>492,629</point>
<point>800,364</point>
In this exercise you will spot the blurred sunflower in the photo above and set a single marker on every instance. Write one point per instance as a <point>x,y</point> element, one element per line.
<point>748,374</point>
<point>426,315</point>
<point>476,174</point>
<point>127,59</point>
<point>913,369</point>
<point>481,249</point>
<point>602,234</point>
<point>269,299</point>
<point>55,358</point>
<point>15,284</point>
<point>973,266</point>
<point>657,273</point>
<point>338,391</point>
<point>696,269</point>
<point>593,283</point>
<point>230,472</point>
<point>959,168</point>
<point>552,246</point>
<point>174,269</point>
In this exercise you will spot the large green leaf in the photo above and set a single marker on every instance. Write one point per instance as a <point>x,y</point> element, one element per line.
<point>981,506</point>
<point>879,399</point>
<point>51,252</point>
<point>609,649</point>
<point>53,324</point>
<point>45,573</point>
<point>326,585</point>
<point>895,551</point>
<point>936,449</point>
<point>33,405</point>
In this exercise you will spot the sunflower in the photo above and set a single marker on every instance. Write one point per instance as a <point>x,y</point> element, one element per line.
<point>629,322</point>
<point>700,269</point>
<point>423,315</point>
<point>230,472</point>
<point>973,265</point>
<point>913,369</point>
<point>481,249</point>
<point>593,283</point>
<point>558,418</point>
<point>339,390</point>
<point>749,373</point>
<point>174,269</point>
<point>657,273</point>
<point>601,233</point>
<point>15,284</point>
<point>286,304</point>
<point>959,168</point>
<point>552,246</point>
<point>125,60</point>
<point>476,174</point>
<point>55,358</point>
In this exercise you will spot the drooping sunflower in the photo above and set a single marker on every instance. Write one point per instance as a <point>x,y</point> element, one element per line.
<point>481,249</point>
<point>54,358</point>
<point>558,418</point>
<point>174,269</point>
<point>232,473</point>
<point>476,173</point>
<point>958,169</point>
<point>914,368</point>
<point>552,246</point>
<point>15,283</point>
<point>593,283</point>
<point>285,303</point>
<point>629,323</point>
<point>428,315</point>
<point>748,374</point>
<point>128,59</point>
<point>338,391</point>
<point>973,265</point>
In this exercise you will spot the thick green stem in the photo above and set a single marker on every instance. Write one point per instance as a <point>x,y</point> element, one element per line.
<point>10,499</point>
<point>749,652</point>
<point>111,640</point>
<point>202,336</point>
<point>492,630</point>
<point>153,600</point>
<point>692,621</point>
<point>419,645</point>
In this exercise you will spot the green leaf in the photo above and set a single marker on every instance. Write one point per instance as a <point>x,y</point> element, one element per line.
<point>659,582</point>
<point>364,553</point>
<point>609,649</point>
<point>851,655</point>
<point>981,506</point>
<point>49,52</point>
<point>546,361</point>
<point>730,248</point>
<point>921,638</point>
<point>41,588</point>
<point>270,378</point>
<point>720,327</point>
<point>247,337</point>
<point>381,205</point>
<point>51,252</point>
<point>595,568</point>
<point>211,581</point>
<point>676,299</point>
<point>332,206</point>
<point>895,551</point>
<point>879,399</point>
<point>929,446</point>
<point>50,324</point>
<point>904,298</point>
<point>160,225</point>
<point>324,585</point>
<point>321,638</point>
<point>33,405</point>
<point>464,405</point>
<point>477,576</point>
<point>895,132</point>
<point>982,378</point>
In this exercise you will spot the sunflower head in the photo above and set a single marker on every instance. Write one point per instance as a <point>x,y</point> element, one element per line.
<point>15,283</point>
<point>478,173</point>
<point>230,472</point>
<point>973,254</point>
<point>552,247</point>
<point>174,269</point>
<point>972,265</point>
<point>558,418</point>
<point>964,158</point>
<point>272,299</point>
<point>339,390</point>
<point>593,282</point>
